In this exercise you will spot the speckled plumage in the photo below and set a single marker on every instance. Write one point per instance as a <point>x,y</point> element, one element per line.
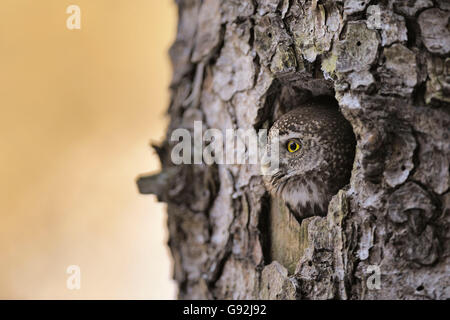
<point>307,179</point>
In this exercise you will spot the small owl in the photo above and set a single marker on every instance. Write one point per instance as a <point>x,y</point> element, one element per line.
<point>316,148</point>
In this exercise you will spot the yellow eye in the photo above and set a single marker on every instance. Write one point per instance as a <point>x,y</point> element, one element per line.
<point>293,146</point>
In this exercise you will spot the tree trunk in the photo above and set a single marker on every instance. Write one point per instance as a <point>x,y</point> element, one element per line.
<point>243,63</point>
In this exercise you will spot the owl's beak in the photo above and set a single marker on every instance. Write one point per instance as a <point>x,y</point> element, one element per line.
<point>265,168</point>
<point>267,165</point>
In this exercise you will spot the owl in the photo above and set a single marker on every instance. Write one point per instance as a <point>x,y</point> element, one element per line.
<point>316,148</point>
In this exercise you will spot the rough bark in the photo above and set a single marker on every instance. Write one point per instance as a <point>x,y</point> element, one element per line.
<point>242,63</point>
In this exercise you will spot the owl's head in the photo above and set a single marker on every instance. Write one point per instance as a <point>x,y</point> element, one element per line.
<point>315,144</point>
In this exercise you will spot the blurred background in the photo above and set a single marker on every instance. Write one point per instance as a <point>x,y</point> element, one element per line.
<point>78,110</point>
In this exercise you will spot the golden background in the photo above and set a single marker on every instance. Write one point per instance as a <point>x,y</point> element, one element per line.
<point>78,108</point>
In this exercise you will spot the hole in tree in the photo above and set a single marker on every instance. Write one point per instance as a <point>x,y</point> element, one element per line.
<point>287,94</point>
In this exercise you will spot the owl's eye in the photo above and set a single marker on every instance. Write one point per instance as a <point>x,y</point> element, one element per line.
<point>293,146</point>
